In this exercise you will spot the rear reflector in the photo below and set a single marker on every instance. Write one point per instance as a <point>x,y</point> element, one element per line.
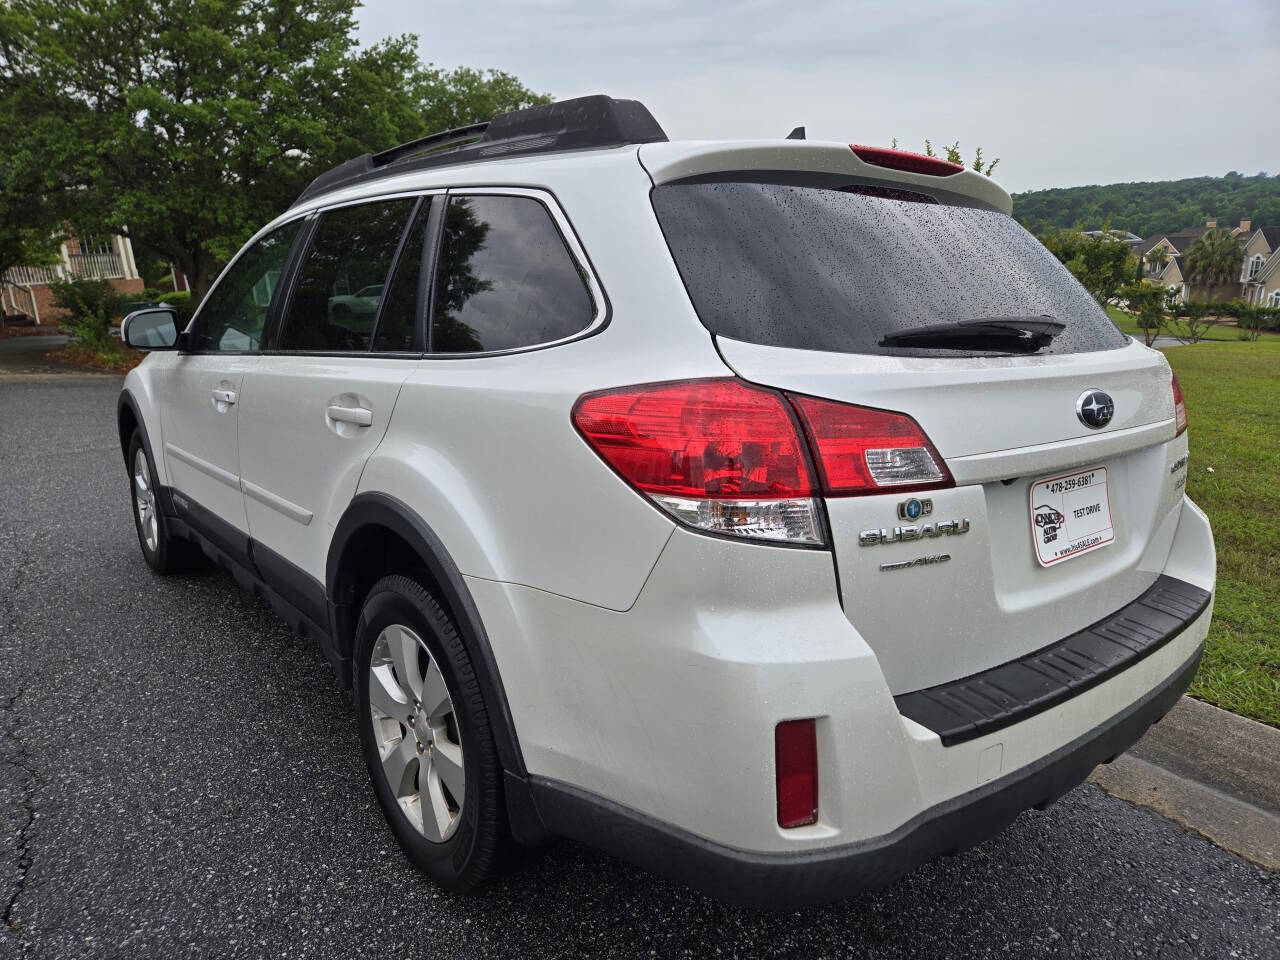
<point>795,748</point>
<point>861,450</point>
<point>1179,407</point>
<point>721,456</point>
<point>906,161</point>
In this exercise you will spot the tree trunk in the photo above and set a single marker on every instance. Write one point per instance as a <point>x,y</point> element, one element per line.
<point>201,270</point>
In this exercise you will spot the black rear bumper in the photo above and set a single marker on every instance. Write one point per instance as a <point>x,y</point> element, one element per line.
<point>799,879</point>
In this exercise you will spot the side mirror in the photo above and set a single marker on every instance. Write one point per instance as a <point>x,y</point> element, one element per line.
<point>155,328</point>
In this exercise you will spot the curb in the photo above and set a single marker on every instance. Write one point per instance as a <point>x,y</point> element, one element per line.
<point>1210,771</point>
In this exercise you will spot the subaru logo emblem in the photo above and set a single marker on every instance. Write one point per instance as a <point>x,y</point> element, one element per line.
<point>1095,409</point>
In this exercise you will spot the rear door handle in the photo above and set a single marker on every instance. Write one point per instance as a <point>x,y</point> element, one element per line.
<point>357,415</point>
<point>224,396</point>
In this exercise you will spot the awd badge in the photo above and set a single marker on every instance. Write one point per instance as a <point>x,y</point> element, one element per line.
<point>914,509</point>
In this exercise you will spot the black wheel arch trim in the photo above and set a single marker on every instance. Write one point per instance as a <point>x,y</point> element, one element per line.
<point>127,400</point>
<point>382,510</point>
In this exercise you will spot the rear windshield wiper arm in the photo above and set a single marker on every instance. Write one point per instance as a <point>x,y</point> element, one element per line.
<point>1023,334</point>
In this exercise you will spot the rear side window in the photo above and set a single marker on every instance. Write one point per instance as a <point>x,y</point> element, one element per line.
<point>505,278</point>
<point>341,280</point>
<point>825,268</point>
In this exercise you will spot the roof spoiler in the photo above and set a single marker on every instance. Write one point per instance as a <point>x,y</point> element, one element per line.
<point>580,124</point>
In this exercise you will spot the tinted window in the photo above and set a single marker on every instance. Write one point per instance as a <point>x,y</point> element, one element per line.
<point>339,286</point>
<point>398,323</point>
<point>822,268</point>
<point>235,310</point>
<point>505,278</point>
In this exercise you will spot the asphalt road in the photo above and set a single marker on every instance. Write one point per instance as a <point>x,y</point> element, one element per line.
<point>179,776</point>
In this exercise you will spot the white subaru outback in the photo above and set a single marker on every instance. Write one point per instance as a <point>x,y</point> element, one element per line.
<point>773,514</point>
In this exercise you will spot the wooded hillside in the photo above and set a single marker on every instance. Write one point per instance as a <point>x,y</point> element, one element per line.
<point>1150,207</point>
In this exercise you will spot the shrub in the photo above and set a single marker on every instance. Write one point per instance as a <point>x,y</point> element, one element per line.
<point>1102,264</point>
<point>1191,323</point>
<point>1149,302</point>
<point>181,301</point>
<point>91,305</point>
<point>1251,319</point>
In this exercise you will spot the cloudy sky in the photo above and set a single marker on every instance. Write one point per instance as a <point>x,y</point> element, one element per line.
<point>1063,93</point>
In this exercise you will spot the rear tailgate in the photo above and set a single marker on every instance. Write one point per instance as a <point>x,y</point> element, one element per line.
<point>1001,425</point>
<point>810,268</point>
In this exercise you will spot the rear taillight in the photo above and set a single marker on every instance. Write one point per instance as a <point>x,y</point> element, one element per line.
<point>795,757</point>
<point>861,450</point>
<point>1179,407</point>
<point>728,457</point>
<point>905,160</point>
<point>719,455</point>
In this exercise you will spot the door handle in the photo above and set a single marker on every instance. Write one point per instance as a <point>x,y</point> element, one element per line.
<point>357,415</point>
<point>224,396</point>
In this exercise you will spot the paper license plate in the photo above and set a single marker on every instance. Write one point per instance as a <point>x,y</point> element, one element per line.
<point>1070,515</point>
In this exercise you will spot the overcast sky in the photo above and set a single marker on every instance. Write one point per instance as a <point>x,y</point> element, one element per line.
<point>1064,93</point>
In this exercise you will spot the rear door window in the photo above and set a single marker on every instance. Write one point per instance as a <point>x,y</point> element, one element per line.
<point>839,269</point>
<point>341,279</point>
<point>505,278</point>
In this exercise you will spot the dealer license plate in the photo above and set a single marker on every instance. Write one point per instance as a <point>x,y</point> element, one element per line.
<point>1070,515</point>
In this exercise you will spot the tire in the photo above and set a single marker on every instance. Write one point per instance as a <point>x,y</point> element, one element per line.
<point>406,646</point>
<point>163,552</point>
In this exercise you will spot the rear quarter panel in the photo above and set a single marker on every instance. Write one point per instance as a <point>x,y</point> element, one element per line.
<point>483,449</point>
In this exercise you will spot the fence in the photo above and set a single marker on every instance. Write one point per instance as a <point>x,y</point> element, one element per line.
<point>77,266</point>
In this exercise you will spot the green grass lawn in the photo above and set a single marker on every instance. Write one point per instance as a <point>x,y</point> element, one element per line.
<point>1129,324</point>
<point>1232,392</point>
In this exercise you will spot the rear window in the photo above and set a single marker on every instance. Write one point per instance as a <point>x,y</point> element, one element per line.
<point>505,279</point>
<point>839,269</point>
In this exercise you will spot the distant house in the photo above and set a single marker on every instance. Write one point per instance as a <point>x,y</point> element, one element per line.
<point>1162,256</point>
<point>1132,239</point>
<point>1260,273</point>
<point>26,290</point>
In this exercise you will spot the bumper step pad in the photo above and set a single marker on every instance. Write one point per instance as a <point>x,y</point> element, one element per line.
<point>1010,693</point>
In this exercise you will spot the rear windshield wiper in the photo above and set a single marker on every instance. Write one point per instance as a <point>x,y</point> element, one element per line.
<point>1020,334</point>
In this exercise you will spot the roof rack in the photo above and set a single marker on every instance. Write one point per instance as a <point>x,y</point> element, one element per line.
<point>580,124</point>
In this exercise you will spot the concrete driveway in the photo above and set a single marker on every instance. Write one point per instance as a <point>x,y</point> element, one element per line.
<point>180,777</point>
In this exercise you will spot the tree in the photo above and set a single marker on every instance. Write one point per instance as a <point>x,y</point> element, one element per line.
<point>1149,302</point>
<point>952,155</point>
<point>1190,320</point>
<point>1153,207</point>
<point>30,191</point>
<point>1213,260</point>
<point>1103,264</point>
<point>1158,257</point>
<point>187,124</point>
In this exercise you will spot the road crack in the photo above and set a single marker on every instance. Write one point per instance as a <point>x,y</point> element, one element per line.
<point>21,762</point>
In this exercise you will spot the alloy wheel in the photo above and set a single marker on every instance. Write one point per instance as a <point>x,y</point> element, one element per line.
<point>144,498</point>
<point>416,733</point>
